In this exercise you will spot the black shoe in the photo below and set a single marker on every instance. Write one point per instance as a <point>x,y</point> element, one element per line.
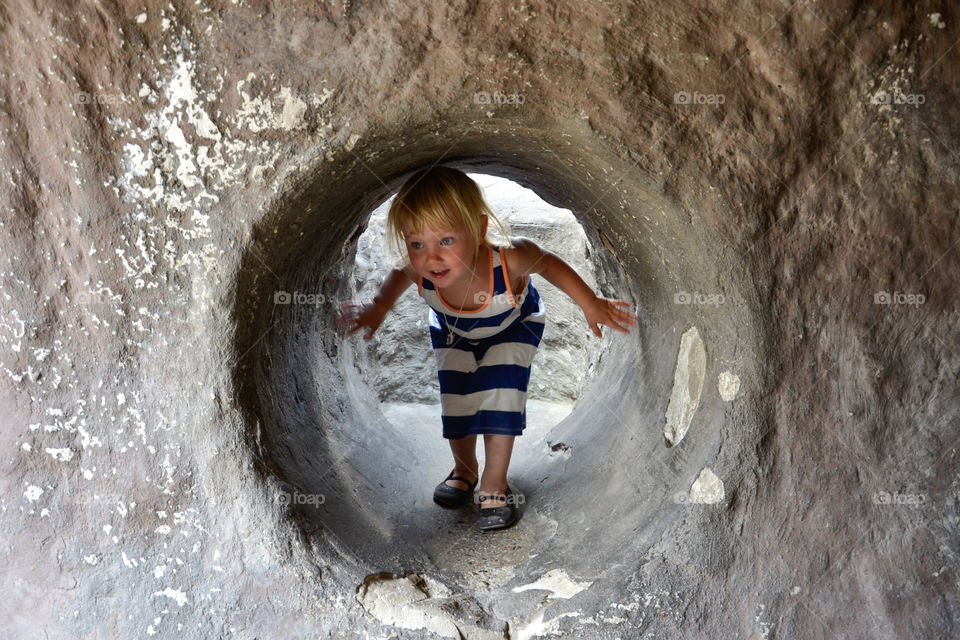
<point>452,497</point>
<point>499,517</point>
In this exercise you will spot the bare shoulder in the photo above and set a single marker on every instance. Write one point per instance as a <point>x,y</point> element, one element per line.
<point>523,257</point>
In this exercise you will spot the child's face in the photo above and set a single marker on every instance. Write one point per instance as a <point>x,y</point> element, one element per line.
<point>443,256</point>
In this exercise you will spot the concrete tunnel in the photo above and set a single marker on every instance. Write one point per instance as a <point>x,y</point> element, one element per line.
<point>618,486</point>
<point>772,185</point>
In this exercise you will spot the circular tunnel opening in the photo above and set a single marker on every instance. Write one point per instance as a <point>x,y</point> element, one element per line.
<point>603,483</point>
<point>393,363</point>
<point>415,457</point>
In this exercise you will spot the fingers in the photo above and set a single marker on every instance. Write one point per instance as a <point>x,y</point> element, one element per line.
<point>347,327</point>
<point>356,324</point>
<point>627,318</point>
<point>616,317</point>
<point>345,324</point>
<point>621,315</point>
<point>342,313</point>
<point>353,317</point>
<point>346,307</point>
<point>613,323</point>
<point>620,328</point>
<point>348,318</point>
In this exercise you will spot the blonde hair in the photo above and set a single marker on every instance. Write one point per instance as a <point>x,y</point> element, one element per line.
<point>442,197</point>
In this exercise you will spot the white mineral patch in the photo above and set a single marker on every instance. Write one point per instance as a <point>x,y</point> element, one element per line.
<point>257,114</point>
<point>160,149</point>
<point>175,594</point>
<point>936,21</point>
<point>558,583</point>
<point>417,602</point>
<point>538,627</point>
<point>687,385</point>
<point>63,455</point>
<point>33,493</point>
<point>728,384</point>
<point>291,118</point>
<point>707,488</point>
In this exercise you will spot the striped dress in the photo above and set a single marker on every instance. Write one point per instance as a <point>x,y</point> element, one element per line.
<point>484,355</point>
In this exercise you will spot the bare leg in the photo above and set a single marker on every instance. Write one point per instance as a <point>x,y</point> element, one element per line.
<point>497,452</point>
<point>465,461</point>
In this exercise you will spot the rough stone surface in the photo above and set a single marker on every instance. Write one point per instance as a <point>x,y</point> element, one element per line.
<point>189,451</point>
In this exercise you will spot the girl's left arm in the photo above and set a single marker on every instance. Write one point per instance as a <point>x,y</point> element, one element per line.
<point>528,257</point>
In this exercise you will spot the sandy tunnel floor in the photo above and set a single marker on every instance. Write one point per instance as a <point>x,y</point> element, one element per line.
<point>452,540</point>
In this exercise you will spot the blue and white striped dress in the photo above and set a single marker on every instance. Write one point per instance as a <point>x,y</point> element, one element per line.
<point>484,355</point>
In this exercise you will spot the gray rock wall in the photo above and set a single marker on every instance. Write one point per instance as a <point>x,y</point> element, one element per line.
<point>187,453</point>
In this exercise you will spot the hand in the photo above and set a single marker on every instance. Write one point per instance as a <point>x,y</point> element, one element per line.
<point>354,315</point>
<point>607,311</point>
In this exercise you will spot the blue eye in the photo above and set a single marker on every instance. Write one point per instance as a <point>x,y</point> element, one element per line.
<point>445,241</point>
<point>416,245</point>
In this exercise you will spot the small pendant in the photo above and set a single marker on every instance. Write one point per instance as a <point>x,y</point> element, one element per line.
<point>449,337</point>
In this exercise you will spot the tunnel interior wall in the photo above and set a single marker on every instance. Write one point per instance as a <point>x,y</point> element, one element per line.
<point>170,166</point>
<point>322,429</point>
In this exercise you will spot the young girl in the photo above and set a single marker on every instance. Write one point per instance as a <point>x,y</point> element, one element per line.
<point>486,323</point>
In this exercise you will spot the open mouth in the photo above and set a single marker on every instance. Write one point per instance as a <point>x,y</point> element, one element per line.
<point>439,274</point>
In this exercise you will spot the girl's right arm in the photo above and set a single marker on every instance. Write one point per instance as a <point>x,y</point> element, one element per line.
<point>353,315</point>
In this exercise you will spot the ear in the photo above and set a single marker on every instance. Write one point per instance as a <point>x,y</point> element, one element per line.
<point>483,227</point>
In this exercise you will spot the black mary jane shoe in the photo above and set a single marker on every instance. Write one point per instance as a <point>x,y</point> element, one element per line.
<point>500,517</point>
<point>453,497</point>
